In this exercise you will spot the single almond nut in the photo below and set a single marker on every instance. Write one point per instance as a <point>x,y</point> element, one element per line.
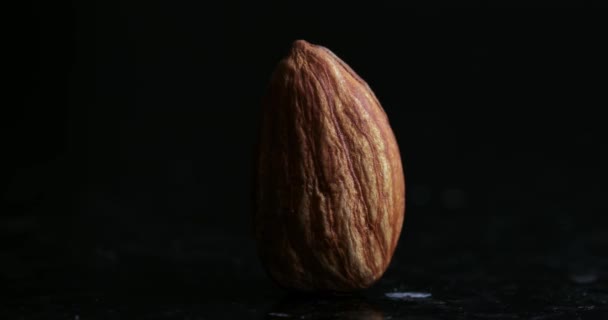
<point>329,182</point>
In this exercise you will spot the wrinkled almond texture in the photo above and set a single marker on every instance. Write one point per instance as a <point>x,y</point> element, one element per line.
<point>330,189</point>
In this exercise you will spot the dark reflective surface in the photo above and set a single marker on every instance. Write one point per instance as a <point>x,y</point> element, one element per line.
<point>227,283</point>
<point>355,307</point>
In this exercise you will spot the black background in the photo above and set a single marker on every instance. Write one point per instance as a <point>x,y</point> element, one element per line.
<point>127,160</point>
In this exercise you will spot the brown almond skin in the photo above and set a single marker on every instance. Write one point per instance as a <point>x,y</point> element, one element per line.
<point>329,182</point>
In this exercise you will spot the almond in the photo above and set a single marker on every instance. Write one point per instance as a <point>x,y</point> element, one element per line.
<point>329,182</point>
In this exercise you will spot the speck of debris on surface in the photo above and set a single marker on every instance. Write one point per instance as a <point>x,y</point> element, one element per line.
<point>407,295</point>
<point>584,278</point>
<point>586,308</point>
<point>280,315</point>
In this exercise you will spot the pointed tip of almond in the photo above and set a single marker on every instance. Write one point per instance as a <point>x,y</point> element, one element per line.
<point>300,44</point>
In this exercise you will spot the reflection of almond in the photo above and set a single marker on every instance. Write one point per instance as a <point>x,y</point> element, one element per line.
<point>330,188</point>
